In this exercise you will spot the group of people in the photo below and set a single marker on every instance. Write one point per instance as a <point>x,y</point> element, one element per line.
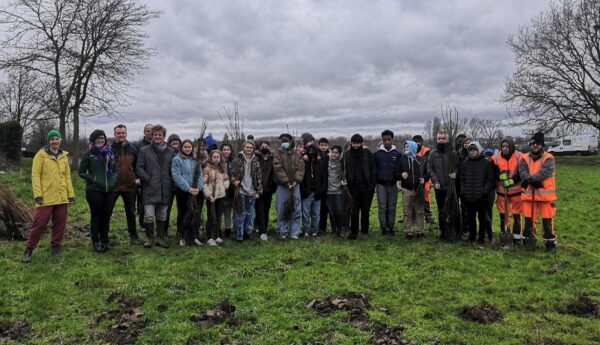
<point>311,180</point>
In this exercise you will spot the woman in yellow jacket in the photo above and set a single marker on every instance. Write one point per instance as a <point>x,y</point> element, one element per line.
<point>52,192</point>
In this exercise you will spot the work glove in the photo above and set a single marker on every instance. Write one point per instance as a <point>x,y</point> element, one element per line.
<point>71,201</point>
<point>537,184</point>
<point>525,184</point>
<point>504,177</point>
<point>508,183</point>
<point>39,201</point>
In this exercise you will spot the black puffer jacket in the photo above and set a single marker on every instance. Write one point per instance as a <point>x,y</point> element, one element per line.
<point>315,174</point>
<point>360,170</point>
<point>476,177</point>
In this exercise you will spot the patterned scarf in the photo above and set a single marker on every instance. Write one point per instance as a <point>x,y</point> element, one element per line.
<point>105,155</point>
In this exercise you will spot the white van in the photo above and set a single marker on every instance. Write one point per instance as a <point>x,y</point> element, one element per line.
<point>575,145</point>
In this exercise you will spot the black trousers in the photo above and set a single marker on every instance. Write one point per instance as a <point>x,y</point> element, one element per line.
<point>361,206</point>
<point>100,212</point>
<point>182,199</point>
<point>440,199</point>
<point>213,219</point>
<point>263,205</point>
<point>129,205</point>
<point>476,209</point>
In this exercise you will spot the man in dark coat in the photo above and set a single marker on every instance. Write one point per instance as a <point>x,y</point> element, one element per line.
<point>441,167</point>
<point>386,158</point>
<point>153,167</point>
<point>360,174</point>
<point>476,181</point>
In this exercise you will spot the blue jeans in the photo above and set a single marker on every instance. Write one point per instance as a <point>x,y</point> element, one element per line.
<point>311,211</point>
<point>244,222</point>
<point>288,227</point>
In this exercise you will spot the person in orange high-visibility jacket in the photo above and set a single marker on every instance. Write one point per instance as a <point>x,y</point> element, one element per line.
<point>423,151</point>
<point>536,170</point>
<point>508,185</point>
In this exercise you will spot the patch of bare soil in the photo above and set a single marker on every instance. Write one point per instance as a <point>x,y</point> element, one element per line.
<point>584,306</point>
<point>483,313</point>
<point>128,320</point>
<point>14,330</point>
<point>544,341</point>
<point>214,316</point>
<point>389,336</point>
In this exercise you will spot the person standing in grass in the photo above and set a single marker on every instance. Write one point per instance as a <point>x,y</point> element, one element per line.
<point>536,170</point>
<point>263,203</point>
<point>335,182</point>
<point>361,176</point>
<point>125,180</point>
<point>288,170</point>
<point>227,150</point>
<point>411,171</point>
<point>247,178</point>
<point>386,158</point>
<point>153,167</point>
<point>96,168</point>
<point>183,169</point>
<point>52,191</point>
<point>313,187</point>
<point>476,180</point>
<point>423,152</point>
<point>216,182</point>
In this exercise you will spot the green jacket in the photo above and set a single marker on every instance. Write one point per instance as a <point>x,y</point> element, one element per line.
<point>94,173</point>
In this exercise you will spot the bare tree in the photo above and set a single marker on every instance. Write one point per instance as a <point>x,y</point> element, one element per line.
<point>24,99</point>
<point>233,125</point>
<point>452,123</point>
<point>491,132</point>
<point>88,50</point>
<point>557,81</point>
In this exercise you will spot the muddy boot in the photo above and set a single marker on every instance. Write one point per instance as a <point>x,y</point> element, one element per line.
<point>161,227</point>
<point>55,251</point>
<point>134,240</point>
<point>27,255</point>
<point>149,230</point>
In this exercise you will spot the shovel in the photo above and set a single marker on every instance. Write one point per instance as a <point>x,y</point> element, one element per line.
<point>506,240</point>
<point>530,241</point>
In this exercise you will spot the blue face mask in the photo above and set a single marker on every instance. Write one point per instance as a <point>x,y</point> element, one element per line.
<point>285,146</point>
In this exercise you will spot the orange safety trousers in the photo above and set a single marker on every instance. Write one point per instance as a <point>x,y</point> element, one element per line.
<point>546,210</point>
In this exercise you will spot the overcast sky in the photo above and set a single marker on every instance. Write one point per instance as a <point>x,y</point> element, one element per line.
<point>330,67</point>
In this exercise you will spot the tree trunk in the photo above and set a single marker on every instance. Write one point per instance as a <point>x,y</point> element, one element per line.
<point>75,145</point>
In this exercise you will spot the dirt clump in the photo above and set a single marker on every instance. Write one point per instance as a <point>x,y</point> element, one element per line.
<point>349,301</point>
<point>128,320</point>
<point>218,314</point>
<point>483,312</point>
<point>544,341</point>
<point>389,336</point>
<point>584,306</point>
<point>14,330</point>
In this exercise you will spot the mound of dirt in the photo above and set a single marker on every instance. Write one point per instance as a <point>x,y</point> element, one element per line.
<point>218,314</point>
<point>389,336</point>
<point>349,301</point>
<point>584,306</point>
<point>15,330</point>
<point>128,320</point>
<point>483,313</point>
<point>544,341</point>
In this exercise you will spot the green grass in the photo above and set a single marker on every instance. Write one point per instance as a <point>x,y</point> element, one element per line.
<point>422,284</point>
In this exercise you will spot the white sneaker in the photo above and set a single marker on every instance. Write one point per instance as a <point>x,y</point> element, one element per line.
<point>182,243</point>
<point>211,242</point>
<point>219,240</point>
<point>306,234</point>
<point>264,237</point>
<point>197,242</point>
<point>314,235</point>
<point>294,237</point>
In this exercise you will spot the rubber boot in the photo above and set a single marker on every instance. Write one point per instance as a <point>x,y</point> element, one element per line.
<point>27,255</point>
<point>149,230</point>
<point>161,228</point>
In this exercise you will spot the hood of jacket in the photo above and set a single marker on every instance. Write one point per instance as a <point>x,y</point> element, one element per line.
<point>412,148</point>
<point>511,146</point>
<point>477,145</point>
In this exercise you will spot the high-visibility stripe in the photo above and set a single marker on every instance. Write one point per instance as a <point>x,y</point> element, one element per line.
<point>548,192</point>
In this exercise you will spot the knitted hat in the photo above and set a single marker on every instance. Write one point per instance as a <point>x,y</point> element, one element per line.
<point>537,138</point>
<point>54,133</point>
<point>211,143</point>
<point>488,152</point>
<point>97,134</point>
<point>286,135</point>
<point>356,138</point>
<point>417,138</point>
<point>306,137</point>
<point>173,137</point>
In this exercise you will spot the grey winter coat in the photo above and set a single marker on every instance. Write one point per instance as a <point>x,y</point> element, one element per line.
<point>155,174</point>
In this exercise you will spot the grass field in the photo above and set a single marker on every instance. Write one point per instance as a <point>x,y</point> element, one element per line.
<point>79,298</point>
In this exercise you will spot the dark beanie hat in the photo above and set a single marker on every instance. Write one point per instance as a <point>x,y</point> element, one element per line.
<point>286,135</point>
<point>356,138</point>
<point>418,138</point>
<point>537,138</point>
<point>173,137</point>
<point>306,137</point>
<point>96,134</point>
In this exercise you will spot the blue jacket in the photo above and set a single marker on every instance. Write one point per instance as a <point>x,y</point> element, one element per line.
<point>385,165</point>
<point>182,171</point>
